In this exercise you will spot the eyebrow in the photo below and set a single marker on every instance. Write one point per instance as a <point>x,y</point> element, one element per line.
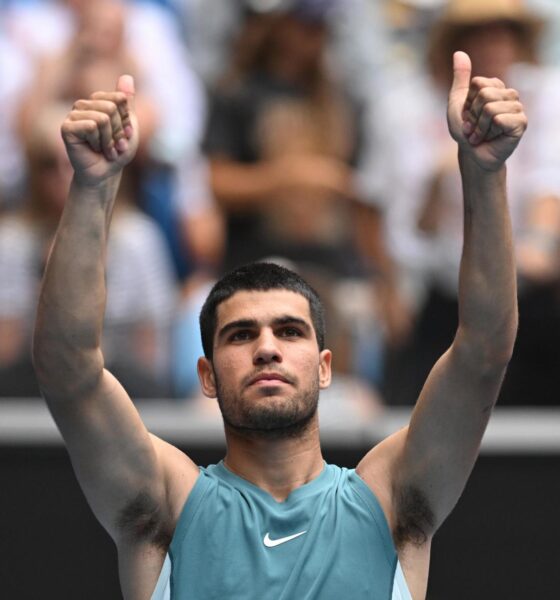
<point>253,323</point>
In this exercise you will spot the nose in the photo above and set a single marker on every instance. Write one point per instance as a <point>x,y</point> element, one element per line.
<point>267,349</point>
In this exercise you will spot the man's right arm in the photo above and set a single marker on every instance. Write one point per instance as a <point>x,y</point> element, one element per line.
<point>118,463</point>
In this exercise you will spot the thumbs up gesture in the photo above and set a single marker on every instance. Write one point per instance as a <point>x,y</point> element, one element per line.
<point>484,117</point>
<point>101,133</point>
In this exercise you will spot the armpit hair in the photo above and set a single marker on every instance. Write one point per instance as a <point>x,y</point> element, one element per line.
<point>415,518</point>
<point>141,520</point>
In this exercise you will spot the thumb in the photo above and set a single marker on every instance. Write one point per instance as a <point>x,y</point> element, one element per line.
<point>461,76</point>
<point>125,84</point>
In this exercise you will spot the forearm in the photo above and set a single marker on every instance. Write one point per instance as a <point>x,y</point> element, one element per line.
<point>487,282</point>
<point>71,307</point>
<point>238,185</point>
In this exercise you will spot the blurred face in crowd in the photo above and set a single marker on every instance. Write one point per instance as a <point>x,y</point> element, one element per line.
<point>266,370</point>
<point>97,74</point>
<point>100,29</point>
<point>301,42</point>
<point>493,48</point>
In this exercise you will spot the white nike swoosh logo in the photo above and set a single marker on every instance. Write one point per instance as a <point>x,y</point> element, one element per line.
<point>271,543</point>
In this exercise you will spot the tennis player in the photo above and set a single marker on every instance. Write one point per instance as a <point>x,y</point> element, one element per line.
<point>273,520</point>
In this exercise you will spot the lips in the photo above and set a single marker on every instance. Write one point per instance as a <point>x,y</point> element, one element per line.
<point>272,377</point>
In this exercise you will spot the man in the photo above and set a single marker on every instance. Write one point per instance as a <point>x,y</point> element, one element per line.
<point>272,520</point>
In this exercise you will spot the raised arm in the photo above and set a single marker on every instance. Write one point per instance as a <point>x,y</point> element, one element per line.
<point>429,462</point>
<point>126,473</point>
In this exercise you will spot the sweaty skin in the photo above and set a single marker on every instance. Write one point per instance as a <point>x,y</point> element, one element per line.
<point>266,355</point>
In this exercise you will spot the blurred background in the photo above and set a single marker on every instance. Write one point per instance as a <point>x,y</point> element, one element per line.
<point>311,133</point>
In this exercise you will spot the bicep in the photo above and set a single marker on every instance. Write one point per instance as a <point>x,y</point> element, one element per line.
<point>444,436</point>
<point>116,460</point>
<point>419,472</point>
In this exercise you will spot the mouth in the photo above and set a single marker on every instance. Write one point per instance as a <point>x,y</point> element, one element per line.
<point>264,379</point>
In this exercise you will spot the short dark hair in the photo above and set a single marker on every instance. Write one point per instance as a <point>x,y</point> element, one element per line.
<point>258,276</point>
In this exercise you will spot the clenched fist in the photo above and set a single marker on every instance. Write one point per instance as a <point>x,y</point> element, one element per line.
<point>485,118</point>
<point>101,133</point>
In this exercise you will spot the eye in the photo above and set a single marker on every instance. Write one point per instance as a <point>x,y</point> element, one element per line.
<point>241,335</point>
<point>290,332</point>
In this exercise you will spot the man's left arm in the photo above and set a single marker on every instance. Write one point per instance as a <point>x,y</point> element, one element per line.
<point>426,466</point>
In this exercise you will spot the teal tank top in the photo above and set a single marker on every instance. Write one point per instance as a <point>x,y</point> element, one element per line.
<point>329,540</point>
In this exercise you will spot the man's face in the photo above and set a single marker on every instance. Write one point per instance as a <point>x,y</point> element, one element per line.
<point>267,369</point>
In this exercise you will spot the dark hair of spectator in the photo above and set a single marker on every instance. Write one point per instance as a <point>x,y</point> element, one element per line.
<point>259,276</point>
<point>256,46</point>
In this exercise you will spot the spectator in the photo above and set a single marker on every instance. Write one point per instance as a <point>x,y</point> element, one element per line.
<point>147,37</point>
<point>282,140</point>
<point>358,41</point>
<point>45,28</point>
<point>140,285</point>
<point>421,193</point>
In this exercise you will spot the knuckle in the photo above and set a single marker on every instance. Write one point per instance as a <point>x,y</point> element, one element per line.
<point>103,119</point>
<point>486,94</point>
<point>478,81</point>
<point>90,126</point>
<point>498,123</point>
<point>490,109</point>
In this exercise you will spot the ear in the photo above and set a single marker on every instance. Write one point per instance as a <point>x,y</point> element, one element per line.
<point>325,373</point>
<point>206,377</point>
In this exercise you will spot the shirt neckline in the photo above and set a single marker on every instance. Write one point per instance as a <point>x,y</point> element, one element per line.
<point>302,491</point>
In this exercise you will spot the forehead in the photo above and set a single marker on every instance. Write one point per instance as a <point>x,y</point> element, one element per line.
<point>263,306</point>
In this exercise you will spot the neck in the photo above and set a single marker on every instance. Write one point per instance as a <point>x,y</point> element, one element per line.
<point>278,466</point>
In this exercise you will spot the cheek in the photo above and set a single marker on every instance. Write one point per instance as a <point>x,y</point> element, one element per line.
<point>229,369</point>
<point>306,364</point>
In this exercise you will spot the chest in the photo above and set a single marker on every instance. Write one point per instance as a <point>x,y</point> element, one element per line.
<point>325,546</point>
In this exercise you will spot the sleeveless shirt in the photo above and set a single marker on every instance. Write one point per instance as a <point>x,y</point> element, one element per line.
<point>328,540</point>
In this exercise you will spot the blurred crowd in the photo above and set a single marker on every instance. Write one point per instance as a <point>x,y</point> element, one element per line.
<point>307,132</point>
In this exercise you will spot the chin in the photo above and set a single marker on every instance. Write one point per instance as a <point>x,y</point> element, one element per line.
<point>273,427</point>
<point>271,391</point>
<point>269,411</point>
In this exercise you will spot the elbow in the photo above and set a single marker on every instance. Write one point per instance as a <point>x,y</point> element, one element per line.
<point>489,350</point>
<point>64,372</point>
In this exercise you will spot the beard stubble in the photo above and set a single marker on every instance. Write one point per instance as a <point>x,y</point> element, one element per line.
<point>287,417</point>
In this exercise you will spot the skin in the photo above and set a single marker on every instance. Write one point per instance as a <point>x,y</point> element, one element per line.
<point>117,461</point>
<point>273,459</point>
